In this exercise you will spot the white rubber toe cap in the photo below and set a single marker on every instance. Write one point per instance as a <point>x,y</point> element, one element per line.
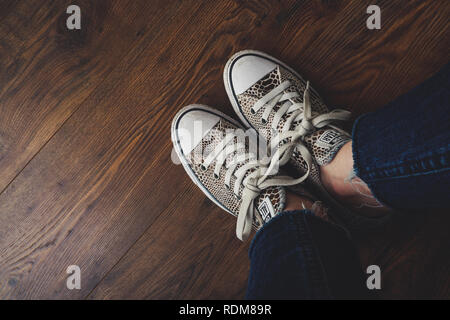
<point>193,126</point>
<point>247,70</point>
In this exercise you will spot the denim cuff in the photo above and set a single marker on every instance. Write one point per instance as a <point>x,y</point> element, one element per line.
<point>272,224</point>
<point>285,262</point>
<point>402,151</point>
<point>357,161</point>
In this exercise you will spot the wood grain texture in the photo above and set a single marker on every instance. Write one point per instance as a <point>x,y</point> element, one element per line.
<point>85,150</point>
<point>47,71</point>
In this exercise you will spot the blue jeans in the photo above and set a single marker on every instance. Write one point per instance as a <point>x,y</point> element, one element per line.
<point>402,152</point>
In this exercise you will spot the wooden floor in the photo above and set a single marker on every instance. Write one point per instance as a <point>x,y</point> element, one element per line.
<point>86,176</point>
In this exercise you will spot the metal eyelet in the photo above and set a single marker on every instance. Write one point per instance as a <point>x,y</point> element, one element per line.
<point>227,187</point>
<point>263,121</point>
<point>236,196</point>
<point>252,111</point>
<point>202,167</point>
<point>216,176</point>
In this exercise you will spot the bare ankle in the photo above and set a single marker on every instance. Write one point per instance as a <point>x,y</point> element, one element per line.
<point>340,181</point>
<point>295,202</point>
<point>335,173</point>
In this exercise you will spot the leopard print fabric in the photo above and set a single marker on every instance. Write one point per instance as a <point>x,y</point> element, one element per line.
<point>216,185</point>
<point>322,154</point>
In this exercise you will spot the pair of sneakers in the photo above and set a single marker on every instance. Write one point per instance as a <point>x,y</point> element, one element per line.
<point>287,126</point>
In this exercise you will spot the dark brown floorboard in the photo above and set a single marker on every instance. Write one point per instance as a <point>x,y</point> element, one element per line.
<point>47,71</point>
<point>85,151</point>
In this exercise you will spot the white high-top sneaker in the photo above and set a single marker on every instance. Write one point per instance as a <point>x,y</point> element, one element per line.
<point>212,149</point>
<point>273,99</point>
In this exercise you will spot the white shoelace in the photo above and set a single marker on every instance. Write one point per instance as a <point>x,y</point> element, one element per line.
<point>256,175</point>
<point>299,120</point>
<point>295,111</point>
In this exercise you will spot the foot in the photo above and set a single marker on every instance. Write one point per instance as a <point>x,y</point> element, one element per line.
<point>273,99</point>
<point>212,149</point>
<point>339,179</point>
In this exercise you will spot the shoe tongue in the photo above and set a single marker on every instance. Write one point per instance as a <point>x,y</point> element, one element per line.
<point>325,143</point>
<point>270,202</point>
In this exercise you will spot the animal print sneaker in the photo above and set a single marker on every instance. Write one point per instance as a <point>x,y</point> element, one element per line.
<point>216,154</point>
<point>288,113</point>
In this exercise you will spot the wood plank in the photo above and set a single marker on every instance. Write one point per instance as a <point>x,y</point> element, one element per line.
<point>413,256</point>
<point>105,179</point>
<point>161,265</point>
<point>69,192</point>
<point>47,71</point>
<point>190,253</point>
